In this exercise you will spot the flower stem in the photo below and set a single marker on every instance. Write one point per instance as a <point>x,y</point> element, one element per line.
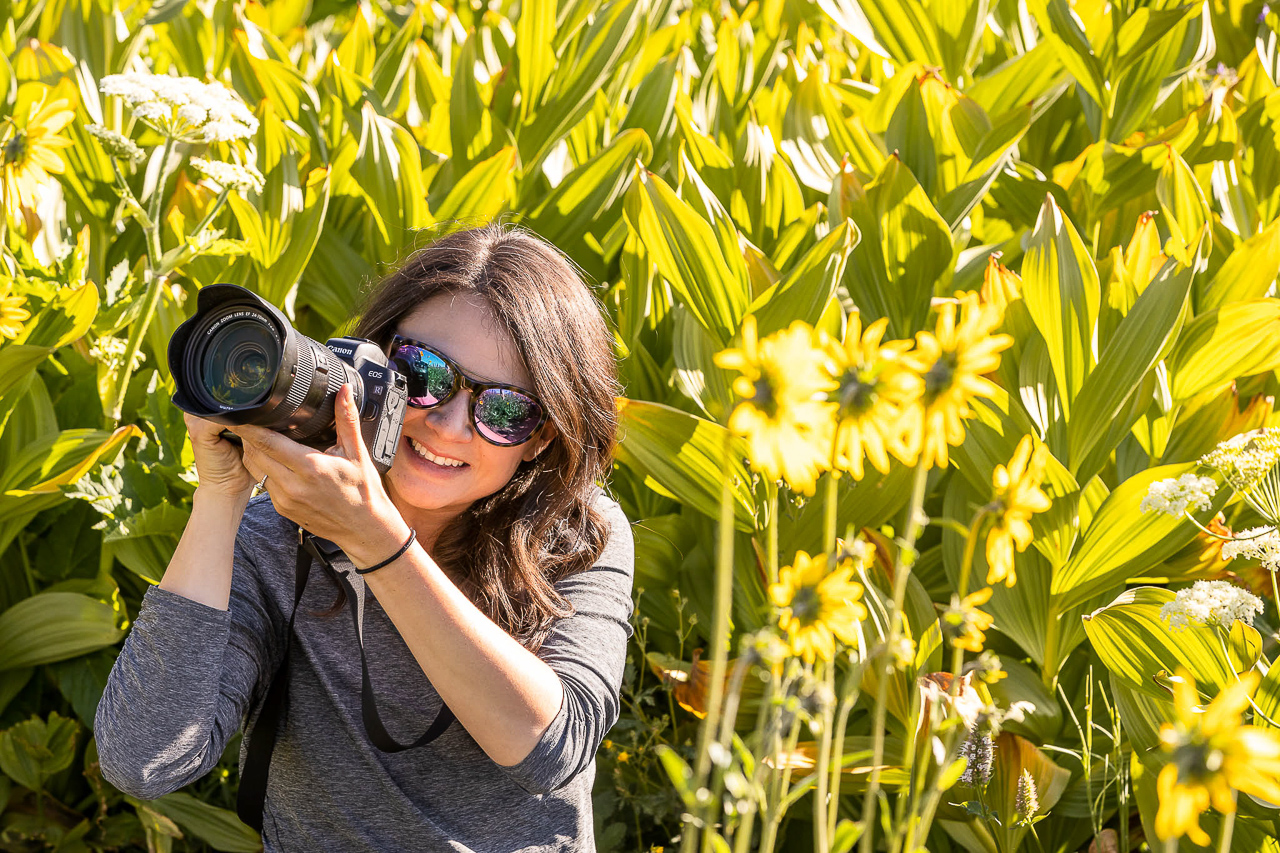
<point>155,284</point>
<point>719,638</point>
<point>829,512</point>
<point>820,835</point>
<point>772,543</point>
<point>885,666</point>
<point>1228,826</point>
<point>848,696</point>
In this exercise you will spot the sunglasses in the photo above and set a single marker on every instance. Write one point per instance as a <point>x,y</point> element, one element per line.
<point>502,414</point>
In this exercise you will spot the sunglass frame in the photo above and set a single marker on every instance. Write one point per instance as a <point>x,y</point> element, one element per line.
<point>462,381</point>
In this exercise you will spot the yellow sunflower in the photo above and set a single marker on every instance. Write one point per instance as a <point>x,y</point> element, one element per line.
<point>818,605</point>
<point>1017,497</point>
<point>12,315</point>
<point>30,153</point>
<point>953,361</point>
<point>1213,755</point>
<point>785,416</point>
<point>873,390</point>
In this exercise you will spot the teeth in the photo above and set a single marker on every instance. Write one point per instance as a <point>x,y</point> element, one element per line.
<point>439,460</point>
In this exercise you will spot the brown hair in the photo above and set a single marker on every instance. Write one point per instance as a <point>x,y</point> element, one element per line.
<point>508,549</point>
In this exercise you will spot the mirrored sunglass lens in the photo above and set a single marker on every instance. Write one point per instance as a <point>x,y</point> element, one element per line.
<point>429,379</point>
<point>506,417</point>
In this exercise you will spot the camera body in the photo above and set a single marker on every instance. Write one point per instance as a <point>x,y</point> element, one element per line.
<point>381,399</point>
<point>238,360</point>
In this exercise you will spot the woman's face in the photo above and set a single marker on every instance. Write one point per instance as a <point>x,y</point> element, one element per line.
<point>463,328</point>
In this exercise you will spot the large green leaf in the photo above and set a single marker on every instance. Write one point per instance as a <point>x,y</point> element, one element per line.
<point>388,172</point>
<point>483,191</point>
<point>1061,291</point>
<point>805,290</point>
<point>1239,339</point>
<point>584,194</point>
<point>1247,273</point>
<point>1122,542</point>
<point>220,828</point>
<point>683,247</point>
<point>54,626</point>
<point>34,750</point>
<point>683,456</point>
<point>1136,645</point>
<point>1144,337</point>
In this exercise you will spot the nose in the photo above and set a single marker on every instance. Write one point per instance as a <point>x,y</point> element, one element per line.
<point>452,421</point>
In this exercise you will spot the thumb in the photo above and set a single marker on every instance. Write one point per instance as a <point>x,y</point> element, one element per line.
<point>347,421</point>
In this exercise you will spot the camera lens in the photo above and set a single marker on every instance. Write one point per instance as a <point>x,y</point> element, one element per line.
<point>240,362</point>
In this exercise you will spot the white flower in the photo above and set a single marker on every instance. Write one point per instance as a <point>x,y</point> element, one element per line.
<point>116,144</point>
<point>1173,496</point>
<point>1246,458</point>
<point>1256,543</point>
<point>229,175</point>
<point>183,108</point>
<point>1213,603</point>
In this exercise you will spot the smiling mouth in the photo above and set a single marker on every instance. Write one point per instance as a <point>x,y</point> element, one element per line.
<point>440,461</point>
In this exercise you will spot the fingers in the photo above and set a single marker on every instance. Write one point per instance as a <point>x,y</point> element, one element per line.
<point>347,421</point>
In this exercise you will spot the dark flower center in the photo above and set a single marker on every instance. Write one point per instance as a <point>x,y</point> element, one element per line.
<point>938,378</point>
<point>764,399</point>
<point>806,605</point>
<point>15,148</point>
<point>856,395</point>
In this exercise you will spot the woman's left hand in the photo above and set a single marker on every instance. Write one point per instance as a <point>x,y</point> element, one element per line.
<point>338,494</point>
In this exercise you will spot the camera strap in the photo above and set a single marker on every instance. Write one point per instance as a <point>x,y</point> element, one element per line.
<point>253,775</point>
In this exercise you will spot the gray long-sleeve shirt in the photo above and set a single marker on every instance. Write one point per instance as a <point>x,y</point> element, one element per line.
<point>189,675</point>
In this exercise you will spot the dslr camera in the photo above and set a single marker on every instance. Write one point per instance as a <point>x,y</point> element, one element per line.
<point>238,360</point>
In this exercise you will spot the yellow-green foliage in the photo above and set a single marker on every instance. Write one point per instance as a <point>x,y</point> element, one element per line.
<point>1106,173</point>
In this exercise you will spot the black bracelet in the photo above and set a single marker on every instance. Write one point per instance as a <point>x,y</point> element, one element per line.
<point>413,534</point>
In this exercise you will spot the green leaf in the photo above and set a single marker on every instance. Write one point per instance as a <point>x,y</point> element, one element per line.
<point>583,196</point>
<point>483,191</point>
<point>1185,208</point>
<point>1144,337</point>
<point>535,51</point>
<point>685,456</point>
<point>805,290</point>
<point>34,750</point>
<point>686,252</point>
<point>54,626</point>
<point>1064,31</point>
<point>388,172</point>
<point>1239,339</point>
<point>220,828</point>
<point>1244,644</point>
<point>1061,291</point>
<point>903,27</point>
<point>1248,272</point>
<point>1143,29</point>
<point>1122,542</point>
<point>1136,645</point>
<point>1019,80</point>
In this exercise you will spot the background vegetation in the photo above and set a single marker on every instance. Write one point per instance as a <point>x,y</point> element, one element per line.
<point>1105,174</point>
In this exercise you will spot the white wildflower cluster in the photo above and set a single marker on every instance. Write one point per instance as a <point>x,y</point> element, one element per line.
<point>1172,497</point>
<point>1212,603</point>
<point>978,751</point>
<point>110,351</point>
<point>116,144</point>
<point>1027,800</point>
<point>1246,458</point>
<point>229,175</point>
<point>1256,543</point>
<point>183,108</point>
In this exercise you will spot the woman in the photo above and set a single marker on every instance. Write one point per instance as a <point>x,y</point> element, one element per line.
<point>511,602</point>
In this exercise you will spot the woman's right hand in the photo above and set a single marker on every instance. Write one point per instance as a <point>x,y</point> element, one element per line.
<point>219,463</point>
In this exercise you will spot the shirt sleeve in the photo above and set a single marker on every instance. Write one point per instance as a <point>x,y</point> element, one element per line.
<point>184,681</point>
<point>588,650</point>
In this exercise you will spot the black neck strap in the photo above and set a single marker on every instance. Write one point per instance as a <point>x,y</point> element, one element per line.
<point>253,775</point>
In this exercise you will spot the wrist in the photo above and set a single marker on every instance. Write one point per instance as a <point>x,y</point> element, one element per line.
<point>383,541</point>
<point>394,557</point>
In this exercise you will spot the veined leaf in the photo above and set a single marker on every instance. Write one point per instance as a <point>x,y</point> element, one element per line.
<point>806,289</point>
<point>685,250</point>
<point>1136,645</point>
<point>1122,542</point>
<point>535,51</point>
<point>54,626</point>
<point>1060,288</point>
<point>1247,273</point>
<point>685,455</point>
<point>1238,339</point>
<point>388,172</point>
<point>220,828</point>
<point>584,194</point>
<point>483,191</point>
<point>1065,32</point>
<point>1144,337</point>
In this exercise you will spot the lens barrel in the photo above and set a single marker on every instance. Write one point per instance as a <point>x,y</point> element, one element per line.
<point>238,360</point>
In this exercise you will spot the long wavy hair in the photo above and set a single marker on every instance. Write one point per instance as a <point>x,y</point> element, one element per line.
<point>507,550</point>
